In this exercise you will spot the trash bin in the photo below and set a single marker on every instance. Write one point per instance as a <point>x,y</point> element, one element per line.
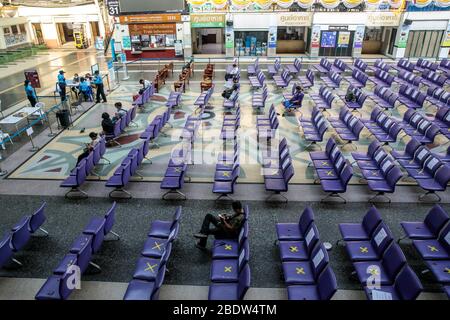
<point>63,117</point>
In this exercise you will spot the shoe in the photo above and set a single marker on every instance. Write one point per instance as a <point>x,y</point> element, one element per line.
<point>200,235</point>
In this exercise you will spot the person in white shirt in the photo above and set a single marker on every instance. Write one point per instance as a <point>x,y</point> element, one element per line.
<point>145,83</point>
<point>233,72</point>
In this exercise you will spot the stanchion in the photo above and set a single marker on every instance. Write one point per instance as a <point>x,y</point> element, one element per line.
<point>30,133</point>
<point>2,172</point>
<point>125,71</point>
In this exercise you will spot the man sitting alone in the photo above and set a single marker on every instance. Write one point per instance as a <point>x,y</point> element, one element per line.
<point>224,226</point>
<point>120,112</point>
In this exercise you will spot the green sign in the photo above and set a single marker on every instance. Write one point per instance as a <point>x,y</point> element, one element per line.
<point>207,20</point>
<point>208,25</point>
<point>403,38</point>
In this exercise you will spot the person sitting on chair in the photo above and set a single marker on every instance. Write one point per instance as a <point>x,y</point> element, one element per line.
<point>107,124</point>
<point>120,112</point>
<point>233,73</point>
<point>75,80</point>
<point>350,96</point>
<point>85,89</point>
<point>296,100</point>
<point>225,226</point>
<point>89,146</point>
<point>145,83</point>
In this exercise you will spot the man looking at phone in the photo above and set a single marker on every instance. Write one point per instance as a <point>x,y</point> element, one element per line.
<point>224,226</point>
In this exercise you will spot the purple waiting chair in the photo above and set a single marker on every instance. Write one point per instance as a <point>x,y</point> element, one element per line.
<point>231,291</point>
<point>228,270</point>
<point>324,289</point>
<point>162,228</point>
<point>435,249</point>
<point>434,221</point>
<point>295,231</point>
<point>361,231</point>
<point>56,287</point>
<point>300,250</point>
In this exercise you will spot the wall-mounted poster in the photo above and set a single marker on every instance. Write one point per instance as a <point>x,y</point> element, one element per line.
<point>272,37</point>
<point>359,36</point>
<point>403,38</point>
<point>126,43</point>
<point>343,39</point>
<point>315,37</point>
<point>328,39</point>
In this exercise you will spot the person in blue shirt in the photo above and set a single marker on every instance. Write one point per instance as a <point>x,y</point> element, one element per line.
<point>296,100</point>
<point>98,81</point>
<point>85,89</point>
<point>62,85</point>
<point>31,94</point>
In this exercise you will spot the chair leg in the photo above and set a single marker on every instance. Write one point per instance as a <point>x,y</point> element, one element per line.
<point>436,196</point>
<point>380,195</point>
<point>224,196</point>
<point>401,238</point>
<point>284,199</point>
<point>174,191</point>
<point>95,174</point>
<point>150,160</point>
<point>45,232</point>
<point>17,262</point>
<point>106,159</point>
<point>333,195</point>
<point>139,175</point>
<point>96,266</point>
<point>120,190</point>
<point>81,193</point>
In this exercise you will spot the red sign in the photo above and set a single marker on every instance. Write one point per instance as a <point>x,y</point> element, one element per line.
<point>33,76</point>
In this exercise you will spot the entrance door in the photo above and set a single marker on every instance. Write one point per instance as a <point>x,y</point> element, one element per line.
<point>38,32</point>
<point>424,44</point>
<point>390,49</point>
<point>208,40</point>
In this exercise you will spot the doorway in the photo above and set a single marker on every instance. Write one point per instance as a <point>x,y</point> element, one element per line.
<point>208,41</point>
<point>38,32</point>
<point>424,44</point>
<point>94,29</point>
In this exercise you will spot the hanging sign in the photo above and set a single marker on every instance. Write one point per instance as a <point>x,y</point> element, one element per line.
<point>113,8</point>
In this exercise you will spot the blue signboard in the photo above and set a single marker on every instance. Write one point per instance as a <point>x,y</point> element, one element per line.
<point>328,39</point>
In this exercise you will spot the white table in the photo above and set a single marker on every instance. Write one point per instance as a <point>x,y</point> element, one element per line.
<point>16,122</point>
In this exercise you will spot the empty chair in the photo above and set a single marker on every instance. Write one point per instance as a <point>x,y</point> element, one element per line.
<point>324,289</point>
<point>228,270</point>
<point>231,291</point>
<point>429,228</point>
<point>295,231</point>
<point>361,231</point>
<point>300,250</point>
<point>435,249</point>
<point>307,81</point>
<point>407,286</point>
<point>163,228</point>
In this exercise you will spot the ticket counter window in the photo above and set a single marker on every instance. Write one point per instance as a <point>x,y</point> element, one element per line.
<point>291,40</point>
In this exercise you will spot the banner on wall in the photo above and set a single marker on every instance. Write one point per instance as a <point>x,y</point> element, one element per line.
<point>359,37</point>
<point>446,41</point>
<point>343,39</point>
<point>229,37</point>
<point>328,39</point>
<point>403,38</point>
<point>315,37</point>
<point>272,37</point>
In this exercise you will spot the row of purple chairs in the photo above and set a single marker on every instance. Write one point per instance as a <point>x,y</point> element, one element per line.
<point>360,97</point>
<point>430,237</point>
<point>60,284</point>
<point>382,78</point>
<point>379,170</point>
<point>439,97</point>
<point>339,66</point>
<point>127,169</point>
<point>374,254</point>
<point>295,67</point>
<point>445,66</point>
<point>324,99</point>
<point>259,98</point>
<point>358,79</point>
<point>347,126</point>
<point>14,240</point>
<point>379,64</point>
<point>253,69</point>
<point>230,125</point>
<point>174,99</point>
<point>203,99</point>
<point>427,169</point>
<point>141,100</point>
<point>424,65</point>
<point>382,127</point>
<point>315,127</point>
<point>278,169</point>
<point>151,267</point>
<point>442,120</point>
<point>332,170</point>
<point>121,124</point>
<point>273,69</point>
<point>410,97</point>
<point>283,80</point>
<point>266,127</point>
<point>384,97</point>
<point>155,127</point>
<point>332,79</point>
<point>305,260</point>
<point>230,270</point>
<point>419,127</point>
<point>233,100</point>
<point>85,168</point>
<point>359,65</point>
<point>324,66</point>
<point>404,65</point>
<point>257,81</point>
<point>226,173</point>
<point>433,79</point>
<point>307,81</point>
<point>408,78</point>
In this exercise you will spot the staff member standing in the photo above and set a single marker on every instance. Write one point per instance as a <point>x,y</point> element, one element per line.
<point>98,81</point>
<point>62,85</point>
<point>30,92</point>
